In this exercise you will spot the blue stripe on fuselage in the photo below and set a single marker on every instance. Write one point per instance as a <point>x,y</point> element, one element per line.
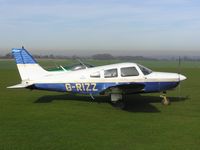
<point>159,86</point>
<point>60,87</point>
<point>96,88</point>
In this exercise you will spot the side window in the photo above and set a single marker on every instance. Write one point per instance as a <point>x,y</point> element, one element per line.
<point>111,73</point>
<point>129,71</point>
<point>95,75</point>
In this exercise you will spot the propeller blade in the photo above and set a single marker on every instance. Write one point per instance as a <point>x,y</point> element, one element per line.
<point>179,72</point>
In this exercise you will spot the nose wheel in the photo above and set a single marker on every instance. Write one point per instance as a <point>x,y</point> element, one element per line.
<point>165,100</point>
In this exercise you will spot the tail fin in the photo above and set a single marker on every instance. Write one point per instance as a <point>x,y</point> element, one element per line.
<point>28,68</point>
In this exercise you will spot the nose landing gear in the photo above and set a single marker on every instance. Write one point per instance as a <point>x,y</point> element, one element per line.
<point>165,100</point>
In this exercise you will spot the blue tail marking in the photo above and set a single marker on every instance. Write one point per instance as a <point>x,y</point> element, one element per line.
<point>22,56</point>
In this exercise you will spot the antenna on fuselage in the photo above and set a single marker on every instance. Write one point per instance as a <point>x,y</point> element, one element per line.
<point>82,63</point>
<point>62,68</point>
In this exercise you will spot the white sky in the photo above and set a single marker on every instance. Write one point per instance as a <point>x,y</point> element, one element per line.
<point>88,26</point>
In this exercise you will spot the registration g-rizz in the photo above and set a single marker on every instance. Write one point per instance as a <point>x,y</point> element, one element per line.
<point>82,87</point>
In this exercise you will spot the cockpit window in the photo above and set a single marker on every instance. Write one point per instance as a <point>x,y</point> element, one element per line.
<point>111,73</point>
<point>145,70</point>
<point>129,71</point>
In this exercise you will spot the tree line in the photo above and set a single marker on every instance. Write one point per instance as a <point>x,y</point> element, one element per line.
<point>104,56</point>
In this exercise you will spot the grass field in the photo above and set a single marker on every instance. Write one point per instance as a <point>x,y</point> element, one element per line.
<point>51,120</point>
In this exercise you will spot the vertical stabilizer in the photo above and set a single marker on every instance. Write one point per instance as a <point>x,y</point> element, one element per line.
<point>28,68</point>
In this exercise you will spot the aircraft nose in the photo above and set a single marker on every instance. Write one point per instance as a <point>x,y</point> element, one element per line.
<point>182,77</point>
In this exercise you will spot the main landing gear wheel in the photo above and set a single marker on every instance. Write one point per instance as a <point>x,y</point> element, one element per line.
<point>165,100</point>
<point>120,104</point>
<point>117,101</point>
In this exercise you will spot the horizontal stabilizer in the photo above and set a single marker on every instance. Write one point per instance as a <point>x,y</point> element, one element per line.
<point>19,86</point>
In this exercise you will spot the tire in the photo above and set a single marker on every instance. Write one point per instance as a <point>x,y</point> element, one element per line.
<point>165,102</point>
<point>119,104</point>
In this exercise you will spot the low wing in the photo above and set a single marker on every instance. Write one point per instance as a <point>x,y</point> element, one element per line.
<point>125,88</point>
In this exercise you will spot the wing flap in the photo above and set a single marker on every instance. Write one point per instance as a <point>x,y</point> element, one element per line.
<point>125,88</point>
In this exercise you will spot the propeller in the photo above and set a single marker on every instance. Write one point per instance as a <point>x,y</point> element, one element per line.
<point>179,79</point>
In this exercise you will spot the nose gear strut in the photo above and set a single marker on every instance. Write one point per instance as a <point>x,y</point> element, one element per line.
<point>165,100</point>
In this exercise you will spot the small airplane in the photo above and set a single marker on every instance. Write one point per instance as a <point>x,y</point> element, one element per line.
<point>115,80</point>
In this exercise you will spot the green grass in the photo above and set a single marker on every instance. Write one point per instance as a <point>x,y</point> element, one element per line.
<point>51,120</point>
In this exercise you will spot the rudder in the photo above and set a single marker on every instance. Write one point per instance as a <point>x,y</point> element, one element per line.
<point>27,66</point>
<point>22,56</point>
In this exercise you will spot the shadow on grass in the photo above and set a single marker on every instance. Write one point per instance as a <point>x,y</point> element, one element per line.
<point>143,103</point>
<point>133,103</point>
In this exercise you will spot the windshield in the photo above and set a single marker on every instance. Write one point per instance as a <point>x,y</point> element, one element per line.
<point>79,66</point>
<point>145,70</point>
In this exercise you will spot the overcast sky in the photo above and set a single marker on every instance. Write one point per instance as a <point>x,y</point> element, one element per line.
<point>90,26</point>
